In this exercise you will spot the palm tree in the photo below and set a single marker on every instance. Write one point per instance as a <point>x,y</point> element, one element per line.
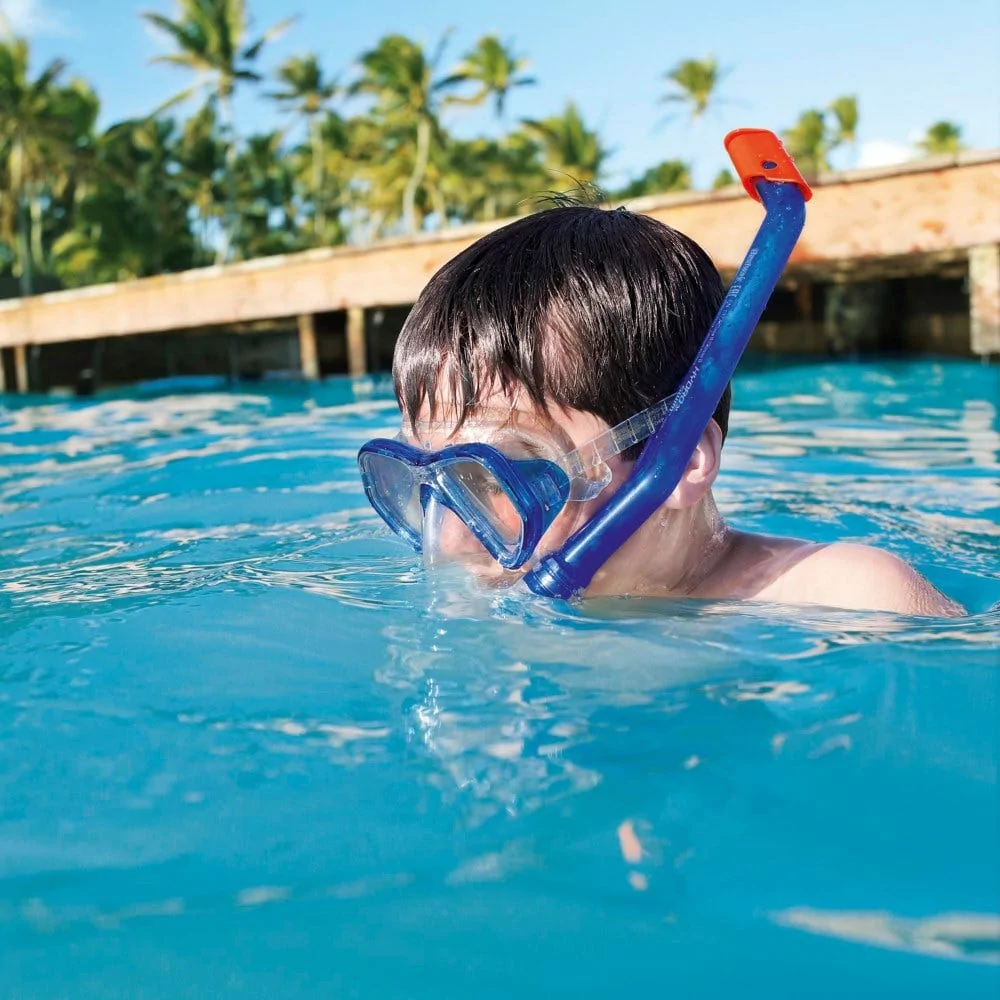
<point>695,82</point>
<point>330,211</point>
<point>723,179</point>
<point>486,178</point>
<point>340,144</point>
<point>808,142</point>
<point>670,175</point>
<point>379,158</point>
<point>130,218</point>
<point>513,174</point>
<point>32,135</point>
<point>307,93</point>
<point>70,160</point>
<point>202,159</point>
<point>266,196</point>
<point>845,115</point>
<point>942,139</point>
<point>496,69</point>
<point>570,148</point>
<point>210,36</point>
<point>408,96</point>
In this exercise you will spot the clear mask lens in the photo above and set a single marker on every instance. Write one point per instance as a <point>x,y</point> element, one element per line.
<point>483,493</point>
<point>394,490</point>
<point>446,539</point>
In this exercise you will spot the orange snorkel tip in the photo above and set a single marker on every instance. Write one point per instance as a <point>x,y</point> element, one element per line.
<point>759,155</point>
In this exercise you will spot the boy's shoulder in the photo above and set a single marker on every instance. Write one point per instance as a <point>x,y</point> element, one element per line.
<point>854,576</point>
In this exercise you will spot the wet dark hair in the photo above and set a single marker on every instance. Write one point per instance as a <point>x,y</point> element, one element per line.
<point>595,310</point>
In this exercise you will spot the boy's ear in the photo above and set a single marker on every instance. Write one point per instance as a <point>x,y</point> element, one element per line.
<point>701,471</point>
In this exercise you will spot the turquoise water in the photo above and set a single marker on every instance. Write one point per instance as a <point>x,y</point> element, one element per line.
<point>247,749</point>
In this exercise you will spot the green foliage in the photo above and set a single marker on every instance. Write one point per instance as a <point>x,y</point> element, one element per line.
<point>808,140</point>
<point>723,179</point>
<point>820,131</point>
<point>408,98</point>
<point>307,94</point>
<point>694,83</point>
<point>130,215</point>
<point>44,137</point>
<point>209,38</point>
<point>942,139</point>
<point>306,88</point>
<point>487,178</point>
<point>670,175</point>
<point>845,120</point>
<point>265,190</point>
<point>572,153</point>
<point>495,69</point>
<point>157,195</point>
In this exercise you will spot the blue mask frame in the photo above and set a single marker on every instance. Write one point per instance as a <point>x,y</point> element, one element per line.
<point>537,490</point>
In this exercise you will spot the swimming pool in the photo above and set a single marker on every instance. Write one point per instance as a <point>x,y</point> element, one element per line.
<point>247,749</point>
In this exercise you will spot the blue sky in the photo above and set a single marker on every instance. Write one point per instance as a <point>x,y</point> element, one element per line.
<point>910,63</point>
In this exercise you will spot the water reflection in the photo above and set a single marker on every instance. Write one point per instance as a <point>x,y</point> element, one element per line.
<point>968,937</point>
<point>515,704</point>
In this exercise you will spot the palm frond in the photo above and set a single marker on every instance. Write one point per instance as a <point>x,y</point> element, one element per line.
<point>179,32</point>
<point>439,49</point>
<point>272,34</point>
<point>49,75</point>
<point>184,95</point>
<point>184,60</point>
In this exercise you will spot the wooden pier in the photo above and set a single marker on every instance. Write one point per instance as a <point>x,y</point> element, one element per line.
<point>935,220</point>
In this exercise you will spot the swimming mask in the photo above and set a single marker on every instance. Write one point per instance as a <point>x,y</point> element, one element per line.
<point>506,493</point>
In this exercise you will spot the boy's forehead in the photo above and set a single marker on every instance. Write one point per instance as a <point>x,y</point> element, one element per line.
<point>513,409</point>
<point>445,406</point>
<point>483,421</point>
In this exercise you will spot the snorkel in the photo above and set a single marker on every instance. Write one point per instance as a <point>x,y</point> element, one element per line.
<point>770,176</point>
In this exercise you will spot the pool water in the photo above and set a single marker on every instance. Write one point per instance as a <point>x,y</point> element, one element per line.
<point>248,749</point>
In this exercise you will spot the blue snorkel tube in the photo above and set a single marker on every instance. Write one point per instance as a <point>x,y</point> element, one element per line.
<point>770,176</point>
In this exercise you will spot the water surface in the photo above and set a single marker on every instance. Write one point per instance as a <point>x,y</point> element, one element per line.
<point>247,749</point>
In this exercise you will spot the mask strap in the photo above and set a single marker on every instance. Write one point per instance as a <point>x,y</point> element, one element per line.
<point>579,464</point>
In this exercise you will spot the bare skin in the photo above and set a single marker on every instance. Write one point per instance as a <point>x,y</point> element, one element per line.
<point>686,549</point>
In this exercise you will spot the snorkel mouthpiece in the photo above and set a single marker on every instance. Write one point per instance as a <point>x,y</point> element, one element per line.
<point>769,174</point>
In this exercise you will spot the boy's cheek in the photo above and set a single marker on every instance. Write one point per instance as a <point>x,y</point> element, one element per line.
<point>575,515</point>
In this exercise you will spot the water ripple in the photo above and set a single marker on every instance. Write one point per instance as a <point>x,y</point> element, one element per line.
<point>234,710</point>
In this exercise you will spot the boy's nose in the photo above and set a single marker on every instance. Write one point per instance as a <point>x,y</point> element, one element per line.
<point>446,538</point>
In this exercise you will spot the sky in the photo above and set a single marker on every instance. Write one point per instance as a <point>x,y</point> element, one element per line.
<point>910,63</point>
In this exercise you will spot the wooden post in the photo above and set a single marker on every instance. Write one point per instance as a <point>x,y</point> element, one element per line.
<point>308,355</point>
<point>233,357</point>
<point>357,352</point>
<point>21,367</point>
<point>984,298</point>
<point>833,318</point>
<point>804,300</point>
<point>3,375</point>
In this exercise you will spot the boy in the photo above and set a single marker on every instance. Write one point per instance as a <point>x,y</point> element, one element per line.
<point>536,340</point>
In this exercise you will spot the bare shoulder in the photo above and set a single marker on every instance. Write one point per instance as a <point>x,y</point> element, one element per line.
<point>849,575</point>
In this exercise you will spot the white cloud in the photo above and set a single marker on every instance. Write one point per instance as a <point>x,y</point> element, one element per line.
<point>883,153</point>
<point>31,18</point>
